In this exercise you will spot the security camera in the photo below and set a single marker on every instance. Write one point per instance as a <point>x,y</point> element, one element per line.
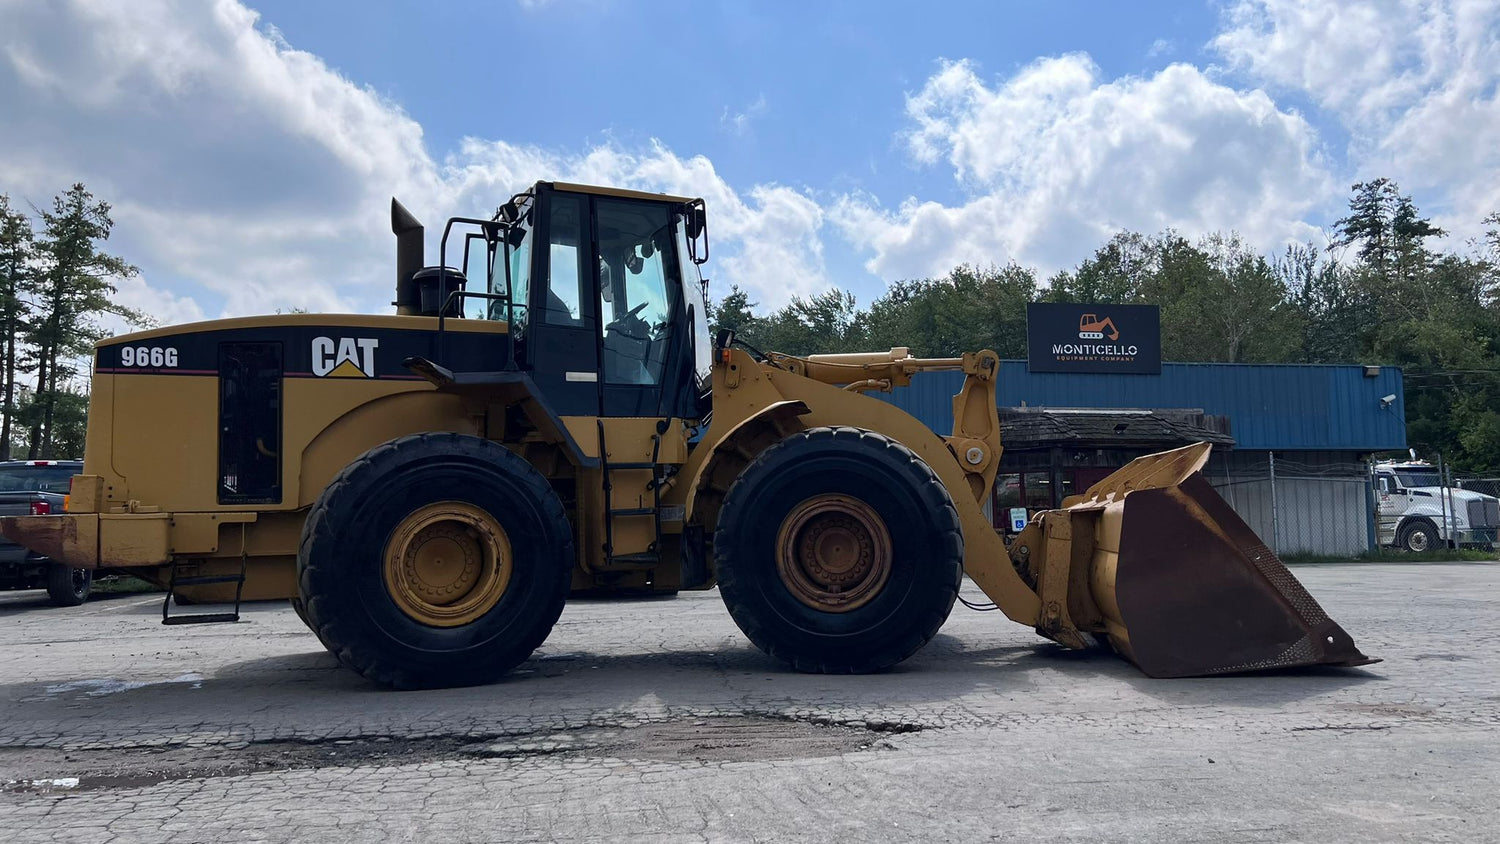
<point>1387,401</point>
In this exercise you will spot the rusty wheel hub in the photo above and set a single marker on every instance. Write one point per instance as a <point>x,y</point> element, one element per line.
<point>447,564</point>
<point>833,552</point>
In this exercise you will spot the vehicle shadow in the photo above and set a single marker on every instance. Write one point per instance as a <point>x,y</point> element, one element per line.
<point>294,696</point>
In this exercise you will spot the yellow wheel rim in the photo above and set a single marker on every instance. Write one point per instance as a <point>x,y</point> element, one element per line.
<point>447,564</point>
<point>833,553</point>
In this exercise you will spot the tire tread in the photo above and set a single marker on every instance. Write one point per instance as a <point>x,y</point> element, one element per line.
<point>934,496</point>
<point>324,526</point>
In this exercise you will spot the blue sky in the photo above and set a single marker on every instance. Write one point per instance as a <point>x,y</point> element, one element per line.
<point>820,86</point>
<point>249,149</point>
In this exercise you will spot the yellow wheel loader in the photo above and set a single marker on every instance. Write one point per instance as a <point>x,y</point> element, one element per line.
<point>546,413</point>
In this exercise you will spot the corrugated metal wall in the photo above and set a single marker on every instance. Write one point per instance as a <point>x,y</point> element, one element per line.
<point>1322,503</point>
<point>1318,418</point>
<point>1269,406</point>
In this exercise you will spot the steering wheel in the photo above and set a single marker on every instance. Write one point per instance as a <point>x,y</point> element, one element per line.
<point>633,311</point>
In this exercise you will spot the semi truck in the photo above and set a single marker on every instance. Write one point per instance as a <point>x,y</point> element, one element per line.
<point>1416,511</point>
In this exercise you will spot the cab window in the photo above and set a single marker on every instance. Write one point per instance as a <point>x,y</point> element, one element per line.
<point>37,478</point>
<point>567,277</point>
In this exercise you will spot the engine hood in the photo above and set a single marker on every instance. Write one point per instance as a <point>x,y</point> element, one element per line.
<point>1452,493</point>
<point>277,321</point>
<point>309,345</point>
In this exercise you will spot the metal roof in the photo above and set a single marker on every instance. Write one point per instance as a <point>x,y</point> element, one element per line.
<point>1113,428</point>
<point>1270,406</point>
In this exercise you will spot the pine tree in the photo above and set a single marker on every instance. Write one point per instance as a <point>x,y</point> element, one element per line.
<point>73,282</point>
<point>16,258</point>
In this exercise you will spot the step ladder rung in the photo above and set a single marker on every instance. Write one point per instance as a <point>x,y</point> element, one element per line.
<point>202,618</point>
<point>200,581</point>
<point>644,558</point>
<point>652,556</point>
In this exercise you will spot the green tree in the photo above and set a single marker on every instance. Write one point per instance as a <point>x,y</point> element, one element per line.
<point>1230,305</point>
<point>971,309</point>
<point>1384,224</point>
<point>735,311</point>
<point>1433,315</point>
<point>1336,316</point>
<point>823,323</point>
<point>16,259</point>
<point>1489,250</point>
<point>73,284</point>
<point>1112,275</point>
<point>1390,237</point>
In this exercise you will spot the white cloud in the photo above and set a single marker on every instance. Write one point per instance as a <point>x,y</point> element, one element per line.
<point>771,234</point>
<point>738,123</point>
<point>1414,82</point>
<point>246,175</point>
<point>1053,160</point>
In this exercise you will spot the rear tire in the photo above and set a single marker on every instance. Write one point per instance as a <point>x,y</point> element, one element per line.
<point>435,560</point>
<point>68,586</point>
<point>839,551</point>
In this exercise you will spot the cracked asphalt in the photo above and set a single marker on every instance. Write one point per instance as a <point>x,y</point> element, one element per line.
<point>655,719</point>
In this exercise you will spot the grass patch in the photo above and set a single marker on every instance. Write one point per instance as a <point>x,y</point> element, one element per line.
<point>1388,555</point>
<point>123,584</point>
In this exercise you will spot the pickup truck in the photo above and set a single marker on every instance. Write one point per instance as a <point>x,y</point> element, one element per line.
<point>36,488</point>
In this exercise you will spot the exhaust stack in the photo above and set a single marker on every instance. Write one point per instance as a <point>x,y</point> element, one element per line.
<point>409,258</point>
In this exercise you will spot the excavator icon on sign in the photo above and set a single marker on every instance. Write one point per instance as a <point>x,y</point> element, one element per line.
<point>1091,327</point>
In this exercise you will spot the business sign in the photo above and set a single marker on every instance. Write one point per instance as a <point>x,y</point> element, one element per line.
<point>1093,338</point>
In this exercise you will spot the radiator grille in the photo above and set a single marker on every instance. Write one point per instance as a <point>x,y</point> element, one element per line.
<point>1484,514</point>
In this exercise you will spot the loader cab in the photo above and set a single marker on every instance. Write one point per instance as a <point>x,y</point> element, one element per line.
<point>603,299</point>
<point>599,290</point>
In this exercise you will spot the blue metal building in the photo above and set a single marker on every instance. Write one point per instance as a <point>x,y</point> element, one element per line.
<point>1292,440</point>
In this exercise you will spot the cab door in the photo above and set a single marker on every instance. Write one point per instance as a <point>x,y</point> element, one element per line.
<point>562,344</point>
<point>1391,502</point>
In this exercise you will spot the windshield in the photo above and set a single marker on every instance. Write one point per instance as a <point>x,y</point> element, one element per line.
<point>1417,477</point>
<point>637,278</point>
<point>37,478</point>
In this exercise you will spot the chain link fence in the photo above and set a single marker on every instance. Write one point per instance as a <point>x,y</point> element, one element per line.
<point>1425,506</point>
<point>1310,504</point>
<point>1486,486</point>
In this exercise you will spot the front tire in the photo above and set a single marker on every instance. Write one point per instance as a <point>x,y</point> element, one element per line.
<point>1419,536</point>
<point>839,551</point>
<point>435,560</point>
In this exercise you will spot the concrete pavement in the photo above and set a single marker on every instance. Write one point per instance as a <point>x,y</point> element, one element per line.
<point>657,719</point>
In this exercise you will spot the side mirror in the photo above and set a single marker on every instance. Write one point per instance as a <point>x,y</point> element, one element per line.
<point>695,226</point>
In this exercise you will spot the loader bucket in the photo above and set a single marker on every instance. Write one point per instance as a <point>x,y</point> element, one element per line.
<point>1186,588</point>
